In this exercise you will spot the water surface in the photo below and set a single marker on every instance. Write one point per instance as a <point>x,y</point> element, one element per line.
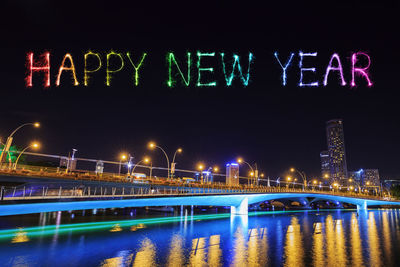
<point>313,238</point>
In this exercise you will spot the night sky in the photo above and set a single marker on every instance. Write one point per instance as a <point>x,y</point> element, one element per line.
<point>275,126</point>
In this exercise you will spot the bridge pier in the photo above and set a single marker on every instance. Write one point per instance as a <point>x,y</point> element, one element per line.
<point>242,208</point>
<point>363,206</point>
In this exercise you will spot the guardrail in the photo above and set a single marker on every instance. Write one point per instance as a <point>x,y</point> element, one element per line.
<point>36,192</point>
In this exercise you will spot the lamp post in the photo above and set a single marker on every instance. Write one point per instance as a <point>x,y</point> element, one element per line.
<point>302,175</point>
<point>153,145</point>
<point>145,160</point>
<point>255,172</point>
<point>179,150</point>
<point>288,181</point>
<point>8,143</point>
<point>34,145</point>
<point>200,167</point>
<point>122,157</point>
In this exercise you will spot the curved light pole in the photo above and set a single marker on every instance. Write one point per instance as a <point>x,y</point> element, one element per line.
<point>34,145</point>
<point>153,145</point>
<point>179,150</point>
<point>146,160</point>
<point>240,160</point>
<point>302,175</point>
<point>8,143</point>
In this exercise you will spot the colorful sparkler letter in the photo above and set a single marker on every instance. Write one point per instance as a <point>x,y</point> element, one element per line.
<point>108,71</point>
<point>64,68</point>
<point>301,54</point>
<point>86,71</point>
<point>199,56</point>
<point>284,67</point>
<point>42,66</point>
<point>136,67</point>
<point>171,59</point>
<point>236,62</point>
<point>338,68</point>
<point>361,71</point>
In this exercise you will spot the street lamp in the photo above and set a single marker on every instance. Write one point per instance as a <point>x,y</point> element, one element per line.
<point>145,160</point>
<point>153,145</point>
<point>32,145</point>
<point>200,167</point>
<point>8,143</point>
<point>288,179</point>
<point>216,169</point>
<point>179,150</point>
<point>240,160</point>
<point>123,157</point>
<point>302,175</point>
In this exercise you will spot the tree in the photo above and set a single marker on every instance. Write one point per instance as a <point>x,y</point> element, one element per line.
<point>395,191</point>
<point>12,154</point>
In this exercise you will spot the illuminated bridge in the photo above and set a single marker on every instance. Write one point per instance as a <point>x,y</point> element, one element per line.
<point>238,201</point>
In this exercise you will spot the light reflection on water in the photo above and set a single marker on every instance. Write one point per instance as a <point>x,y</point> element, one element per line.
<point>342,238</point>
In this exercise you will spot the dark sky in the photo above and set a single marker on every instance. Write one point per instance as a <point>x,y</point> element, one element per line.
<point>275,126</point>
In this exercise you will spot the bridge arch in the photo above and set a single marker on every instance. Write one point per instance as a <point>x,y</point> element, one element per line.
<point>238,202</point>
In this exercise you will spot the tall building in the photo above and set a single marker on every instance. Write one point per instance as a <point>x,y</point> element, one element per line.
<point>336,150</point>
<point>356,176</point>
<point>370,177</point>
<point>232,174</point>
<point>325,169</point>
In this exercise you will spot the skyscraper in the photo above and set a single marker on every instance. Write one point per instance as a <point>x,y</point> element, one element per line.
<point>232,174</point>
<point>336,150</point>
<point>325,169</point>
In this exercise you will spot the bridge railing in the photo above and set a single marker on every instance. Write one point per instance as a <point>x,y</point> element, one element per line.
<point>53,191</point>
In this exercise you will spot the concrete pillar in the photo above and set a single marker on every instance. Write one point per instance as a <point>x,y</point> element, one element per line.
<point>362,206</point>
<point>242,208</point>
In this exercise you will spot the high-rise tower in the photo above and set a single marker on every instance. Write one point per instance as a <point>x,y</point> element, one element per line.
<point>336,150</point>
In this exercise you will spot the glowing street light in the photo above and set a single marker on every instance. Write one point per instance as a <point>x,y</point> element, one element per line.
<point>153,145</point>
<point>255,172</point>
<point>8,143</point>
<point>145,160</point>
<point>179,150</point>
<point>122,157</point>
<point>201,167</point>
<point>302,175</point>
<point>34,145</point>
<point>216,169</point>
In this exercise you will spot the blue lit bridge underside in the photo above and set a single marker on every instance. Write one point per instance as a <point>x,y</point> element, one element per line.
<point>238,202</point>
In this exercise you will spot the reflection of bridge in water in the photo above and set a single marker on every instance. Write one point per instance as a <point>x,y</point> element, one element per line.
<point>238,200</point>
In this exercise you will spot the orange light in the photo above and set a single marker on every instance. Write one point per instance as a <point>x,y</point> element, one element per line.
<point>200,167</point>
<point>35,145</point>
<point>152,145</point>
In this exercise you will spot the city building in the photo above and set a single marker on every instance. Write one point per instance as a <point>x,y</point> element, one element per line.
<point>325,169</point>
<point>205,176</point>
<point>336,151</point>
<point>370,177</point>
<point>355,176</point>
<point>232,174</point>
